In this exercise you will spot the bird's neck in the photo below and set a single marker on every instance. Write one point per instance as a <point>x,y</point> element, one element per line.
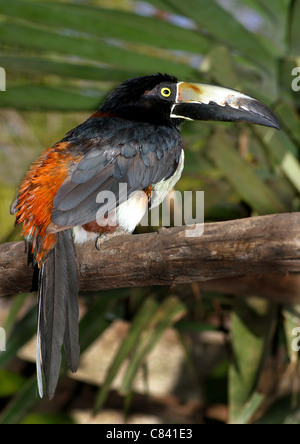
<point>139,113</point>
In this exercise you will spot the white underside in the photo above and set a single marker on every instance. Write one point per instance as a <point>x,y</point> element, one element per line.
<point>163,188</point>
<point>131,212</point>
<point>81,236</point>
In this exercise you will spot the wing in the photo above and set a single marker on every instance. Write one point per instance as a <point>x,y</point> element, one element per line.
<point>139,157</point>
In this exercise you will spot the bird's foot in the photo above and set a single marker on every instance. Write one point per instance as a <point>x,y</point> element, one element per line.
<point>107,236</point>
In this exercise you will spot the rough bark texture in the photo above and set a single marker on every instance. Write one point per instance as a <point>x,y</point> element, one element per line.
<point>258,256</point>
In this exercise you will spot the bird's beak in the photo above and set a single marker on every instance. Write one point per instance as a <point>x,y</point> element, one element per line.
<point>196,101</point>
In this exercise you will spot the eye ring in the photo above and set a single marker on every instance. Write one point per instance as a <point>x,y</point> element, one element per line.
<point>166,92</point>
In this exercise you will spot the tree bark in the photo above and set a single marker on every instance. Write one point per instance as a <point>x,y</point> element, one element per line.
<point>257,256</point>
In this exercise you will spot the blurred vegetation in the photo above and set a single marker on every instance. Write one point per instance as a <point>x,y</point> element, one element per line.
<point>61,59</point>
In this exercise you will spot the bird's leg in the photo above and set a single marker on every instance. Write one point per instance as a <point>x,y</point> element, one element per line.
<point>107,236</point>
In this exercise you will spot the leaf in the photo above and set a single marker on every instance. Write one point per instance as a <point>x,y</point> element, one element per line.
<point>105,23</point>
<point>43,65</point>
<point>242,177</point>
<point>18,303</point>
<point>290,119</point>
<point>166,315</point>
<point>275,18</point>
<point>139,325</point>
<point>22,332</point>
<point>47,418</point>
<point>223,68</point>
<point>291,168</point>
<point>250,408</point>
<point>227,69</point>
<point>294,36</point>
<point>95,321</point>
<point>281,412</point>
<point>34,97</point>
<point>10,383</point>
<point>223,26</point>
<point>278,143</point>
<point>87,47</point>
<point>283,152</point>
<point>252,328</point>
<point>163,6</point>
<point>90,329</point>
<point>22,404</point>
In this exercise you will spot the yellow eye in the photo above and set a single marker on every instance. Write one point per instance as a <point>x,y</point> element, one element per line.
<point>166,92</point>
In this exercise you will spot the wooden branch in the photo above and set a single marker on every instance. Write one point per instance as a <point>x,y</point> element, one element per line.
<point>260,253</point>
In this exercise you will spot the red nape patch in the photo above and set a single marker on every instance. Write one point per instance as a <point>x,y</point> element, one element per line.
<point>37,192</point>
<point>100,115</point>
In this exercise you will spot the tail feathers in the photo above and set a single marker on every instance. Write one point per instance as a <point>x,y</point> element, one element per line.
<point>58,313</point>
<point>71,336</point>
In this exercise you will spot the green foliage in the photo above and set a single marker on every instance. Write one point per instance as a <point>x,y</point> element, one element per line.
<point>65,57</point>
<point>146,329</point>
<point>252,327</point>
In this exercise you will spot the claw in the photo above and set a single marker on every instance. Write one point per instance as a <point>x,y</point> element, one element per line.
<point>102,239</point>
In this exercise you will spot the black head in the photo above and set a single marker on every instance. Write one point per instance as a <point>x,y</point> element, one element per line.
<point>148,98</point>
<point>162,100</point>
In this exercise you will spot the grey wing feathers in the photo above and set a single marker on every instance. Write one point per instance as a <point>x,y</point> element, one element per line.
<point>105,168</point>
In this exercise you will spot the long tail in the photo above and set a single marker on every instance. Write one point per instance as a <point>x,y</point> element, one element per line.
<point>58,313</point>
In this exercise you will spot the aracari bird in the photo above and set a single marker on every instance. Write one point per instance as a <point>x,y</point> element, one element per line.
<point>134,140</point>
